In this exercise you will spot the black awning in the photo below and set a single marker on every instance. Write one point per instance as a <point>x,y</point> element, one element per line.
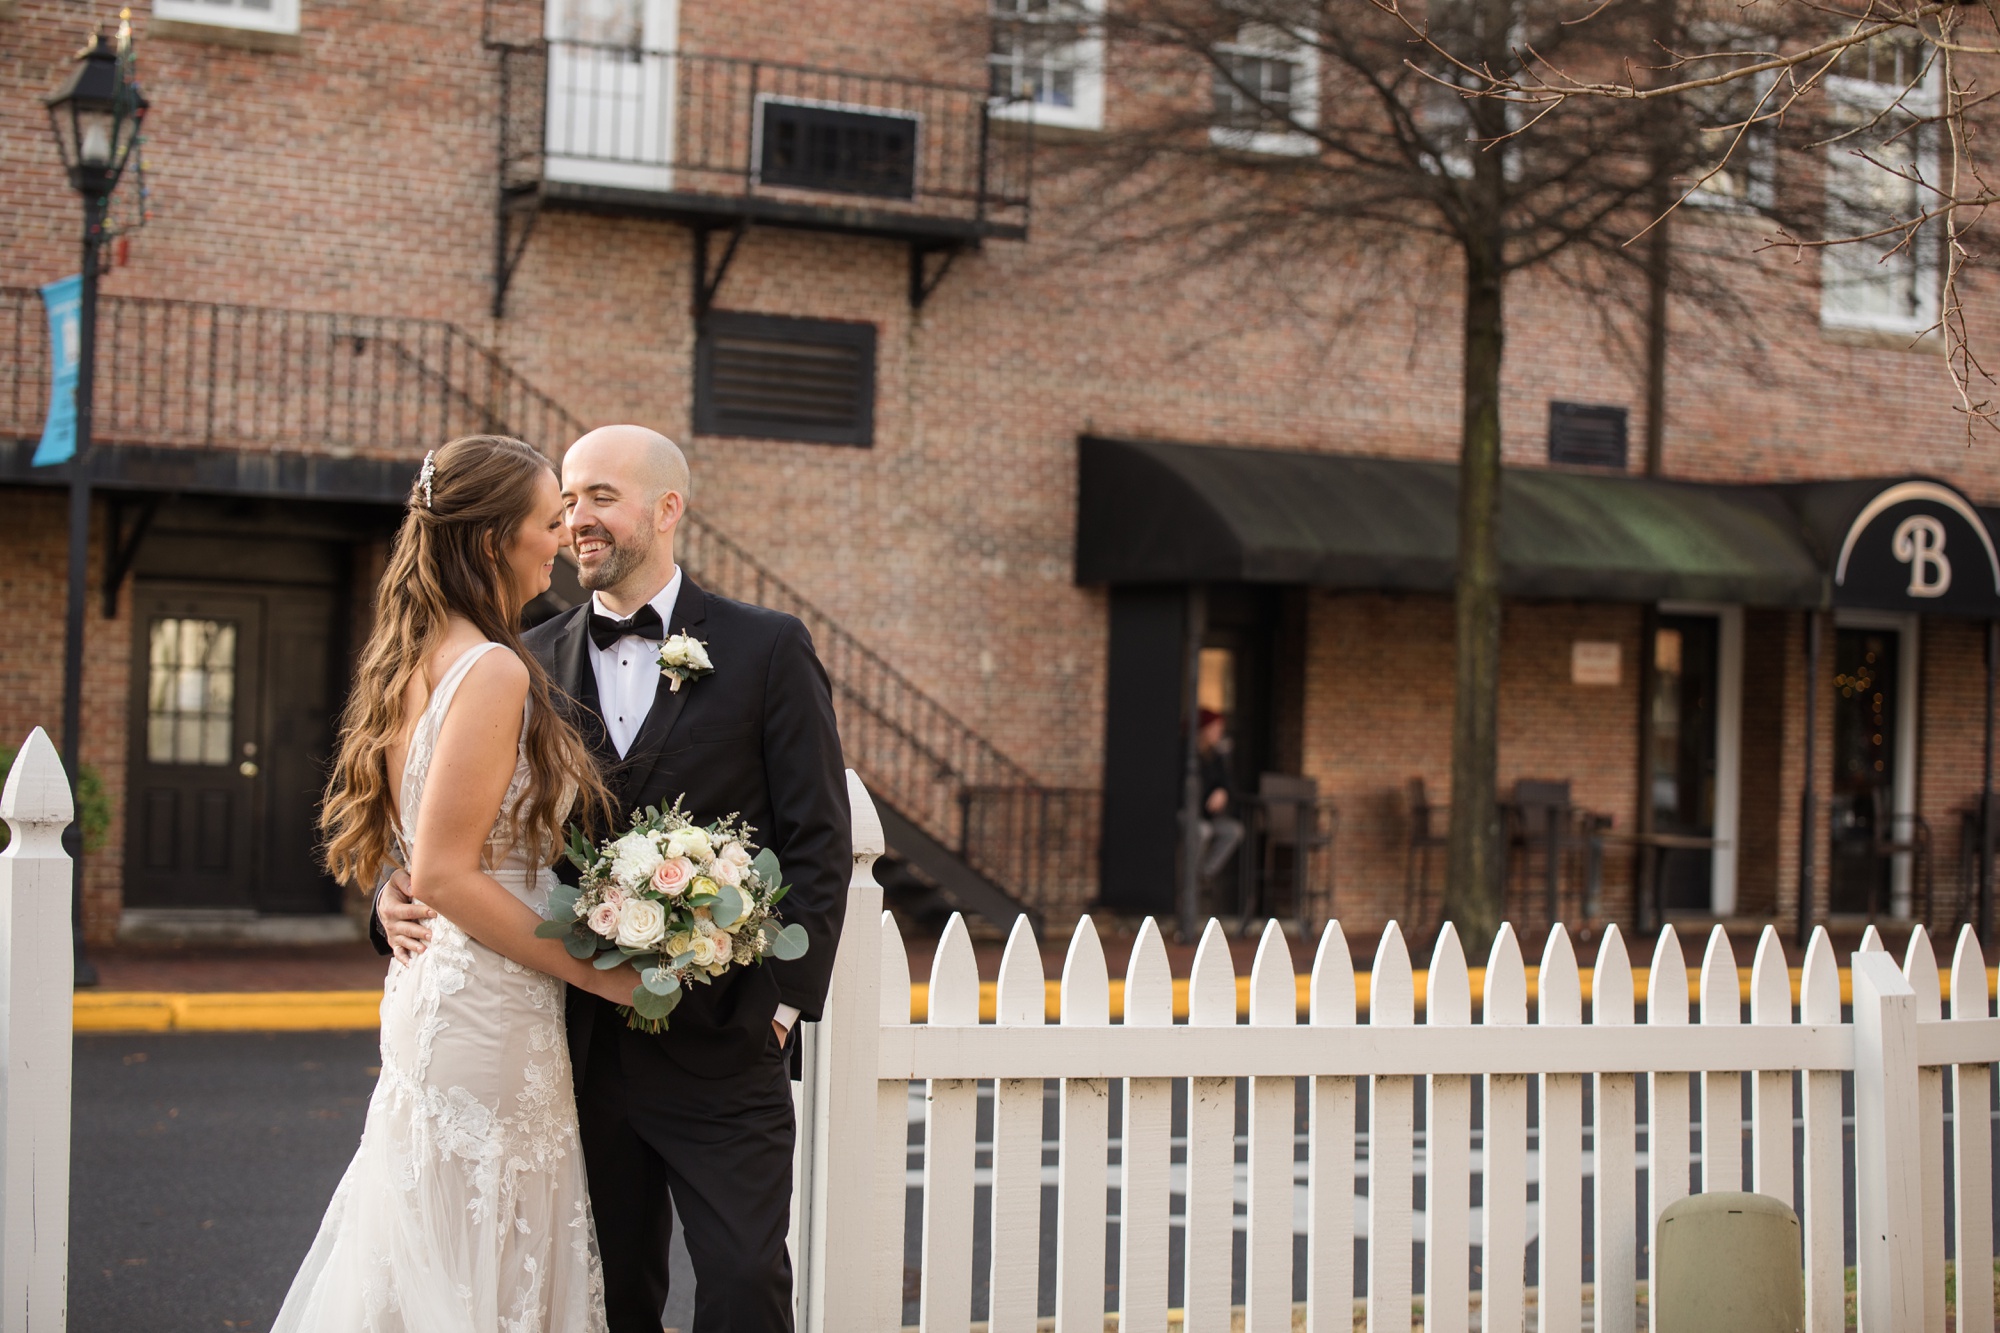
<point>1176,513</point>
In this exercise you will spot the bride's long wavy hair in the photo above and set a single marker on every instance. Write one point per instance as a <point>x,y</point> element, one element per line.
<point>448,559</point>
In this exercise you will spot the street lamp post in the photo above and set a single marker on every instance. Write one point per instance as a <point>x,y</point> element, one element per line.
<point>95,117</point>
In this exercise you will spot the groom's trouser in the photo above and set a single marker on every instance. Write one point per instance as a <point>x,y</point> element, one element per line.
<point>723,1148</point>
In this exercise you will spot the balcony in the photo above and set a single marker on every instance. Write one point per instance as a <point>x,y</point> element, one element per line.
<point>722,143</point>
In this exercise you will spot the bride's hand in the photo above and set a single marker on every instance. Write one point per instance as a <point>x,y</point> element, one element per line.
<point>615,984</point>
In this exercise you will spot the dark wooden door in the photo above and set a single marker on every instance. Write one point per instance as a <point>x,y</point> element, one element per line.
<point>234,691</point>
<point>191,830</point>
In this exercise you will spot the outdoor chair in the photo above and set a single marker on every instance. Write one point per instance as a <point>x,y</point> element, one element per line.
<point>1289,818</point>
<point>1538,821</point>
<point>1425,834</point>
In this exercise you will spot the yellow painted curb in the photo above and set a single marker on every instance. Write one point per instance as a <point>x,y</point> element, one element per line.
<point>227,1011</point>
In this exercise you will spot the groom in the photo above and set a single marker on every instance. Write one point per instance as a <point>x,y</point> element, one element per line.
<point>702,1112</point>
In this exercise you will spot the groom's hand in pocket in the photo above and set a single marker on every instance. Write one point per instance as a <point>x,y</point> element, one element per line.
<point>403,918</point>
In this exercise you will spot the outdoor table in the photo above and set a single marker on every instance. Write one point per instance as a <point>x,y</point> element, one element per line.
<point>1646,895</point>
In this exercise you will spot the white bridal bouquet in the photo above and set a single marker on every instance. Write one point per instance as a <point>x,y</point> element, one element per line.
<point>685,902</point>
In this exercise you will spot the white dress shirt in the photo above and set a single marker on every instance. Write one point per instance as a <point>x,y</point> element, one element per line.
<point>628,672</point>
<point>628,678</point>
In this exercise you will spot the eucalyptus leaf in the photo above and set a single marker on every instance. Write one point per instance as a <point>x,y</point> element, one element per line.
<point>765,863</point>
<point>604,962</point>
<point>728,906</point>
<point>659,981</point>
<point>554,930</point>
<point>562,903</point>
<point>680,960</point>
<point>701,900</point>
<point>791,942</point>
<point>651,1006</point>
<point>579,946</point>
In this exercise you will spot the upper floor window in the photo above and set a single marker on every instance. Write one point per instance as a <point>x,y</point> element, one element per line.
<point>1266,92</point>
<point>257,15</point>
<point>1046,62</point>
<point>1877,175</point>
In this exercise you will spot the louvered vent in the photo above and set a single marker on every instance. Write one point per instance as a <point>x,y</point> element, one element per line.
<point>785,379</point>
<point>1587,436</point>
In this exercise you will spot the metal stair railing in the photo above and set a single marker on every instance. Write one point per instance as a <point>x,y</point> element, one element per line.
<point>197,374</point>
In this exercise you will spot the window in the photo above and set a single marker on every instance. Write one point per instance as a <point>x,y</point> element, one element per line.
<point>1881,89</point>
<point>190,691</point>
<point>257,15</point>
<point>785,379</point>
<point>836,149</point>
<point>1266,93</point>
<point>1583,436</point>
<point>1046,62</point>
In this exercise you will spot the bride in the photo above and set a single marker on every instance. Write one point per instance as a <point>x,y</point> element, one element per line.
<point>465,1208</point>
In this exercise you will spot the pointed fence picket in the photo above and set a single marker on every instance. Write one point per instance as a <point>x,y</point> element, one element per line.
<point>1897,1037</point>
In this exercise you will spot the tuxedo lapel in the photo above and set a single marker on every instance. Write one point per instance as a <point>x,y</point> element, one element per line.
<point>690,610</point>
<point>572,673</point>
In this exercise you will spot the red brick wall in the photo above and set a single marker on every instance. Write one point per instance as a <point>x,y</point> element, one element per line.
<point>357,174</point>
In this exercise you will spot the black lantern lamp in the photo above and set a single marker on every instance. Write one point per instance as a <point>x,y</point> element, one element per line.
<point>95,116</point>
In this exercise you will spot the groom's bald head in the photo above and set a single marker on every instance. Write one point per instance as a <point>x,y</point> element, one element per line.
<point>625,489</point>
<point>644,461</point>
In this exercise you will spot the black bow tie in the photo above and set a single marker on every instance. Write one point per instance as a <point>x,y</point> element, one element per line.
<point>645,624</point>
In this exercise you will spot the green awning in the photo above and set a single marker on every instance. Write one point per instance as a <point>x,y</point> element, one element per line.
<point>1152,512</point>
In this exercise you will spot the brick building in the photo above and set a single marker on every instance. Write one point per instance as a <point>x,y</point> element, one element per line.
<point>971,447</point>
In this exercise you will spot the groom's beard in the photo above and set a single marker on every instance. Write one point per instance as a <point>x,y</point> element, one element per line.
<point>618,563</point>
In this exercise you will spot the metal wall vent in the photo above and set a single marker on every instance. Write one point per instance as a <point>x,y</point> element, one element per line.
<point>785,379</point>
<point>835,149</point>
<point>1586,436</point>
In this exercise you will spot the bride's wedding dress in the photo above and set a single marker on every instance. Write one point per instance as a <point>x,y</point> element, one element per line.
<point>465,1209</point>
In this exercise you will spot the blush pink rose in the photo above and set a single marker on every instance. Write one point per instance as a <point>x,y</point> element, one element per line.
<point>615,896</point>
<point>604,919</point>
<point>673,875</point>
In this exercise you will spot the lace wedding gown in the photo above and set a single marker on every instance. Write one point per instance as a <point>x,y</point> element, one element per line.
<point>465,1209</point>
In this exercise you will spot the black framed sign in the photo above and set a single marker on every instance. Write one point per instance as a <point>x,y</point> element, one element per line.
<point>1918,546</point>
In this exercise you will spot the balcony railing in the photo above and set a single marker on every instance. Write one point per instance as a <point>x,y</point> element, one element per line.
<point>669,122</point>
<point>198,374</point>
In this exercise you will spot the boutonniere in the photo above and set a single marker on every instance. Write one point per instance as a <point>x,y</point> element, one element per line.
<point>683,658</point>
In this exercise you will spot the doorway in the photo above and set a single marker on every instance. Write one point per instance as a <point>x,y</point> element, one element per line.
<point>611,93</point>
<point>1874,678</point>
<point>1695,715</point>
<point>232,698</point>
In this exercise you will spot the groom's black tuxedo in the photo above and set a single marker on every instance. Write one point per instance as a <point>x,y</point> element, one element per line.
<point>757,739</point>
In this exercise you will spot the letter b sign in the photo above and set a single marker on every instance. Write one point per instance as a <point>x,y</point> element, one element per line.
<point>1919,543</point>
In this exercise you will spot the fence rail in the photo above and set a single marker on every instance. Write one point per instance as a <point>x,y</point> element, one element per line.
<point>1907,1060</point>
<point>720,124</point>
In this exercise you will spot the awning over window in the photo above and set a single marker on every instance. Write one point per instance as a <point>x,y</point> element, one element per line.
<point>1153,512</point>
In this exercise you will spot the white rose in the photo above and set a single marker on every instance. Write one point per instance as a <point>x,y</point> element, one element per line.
<point>724,872</point>
<point>689,842</point>
<point>697,655</point>
<point>642,923</point>
<point>672,653</point>
<point>634,858</point>
<point>736,854</point>
<point>704,951</point>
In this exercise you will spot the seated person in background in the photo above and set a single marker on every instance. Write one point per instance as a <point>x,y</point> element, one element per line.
<point>1221,831</point>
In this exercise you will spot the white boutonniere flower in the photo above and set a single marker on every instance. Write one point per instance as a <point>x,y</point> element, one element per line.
<point>684,658</point>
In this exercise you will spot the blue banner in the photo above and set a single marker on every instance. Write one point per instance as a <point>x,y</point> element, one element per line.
<point>64,299</point>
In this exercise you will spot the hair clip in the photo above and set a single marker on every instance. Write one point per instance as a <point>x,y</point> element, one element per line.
<point>424,476</point>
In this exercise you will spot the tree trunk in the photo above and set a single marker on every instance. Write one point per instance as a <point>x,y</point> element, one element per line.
<point>1473,876</point>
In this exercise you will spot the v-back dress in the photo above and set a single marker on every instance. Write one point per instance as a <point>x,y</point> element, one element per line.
<point>465,1209</point>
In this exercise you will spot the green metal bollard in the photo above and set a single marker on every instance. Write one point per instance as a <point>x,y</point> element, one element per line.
<point>1728,1263</point>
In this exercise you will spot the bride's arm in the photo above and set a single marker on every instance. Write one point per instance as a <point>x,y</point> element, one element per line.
<point>468,778</point>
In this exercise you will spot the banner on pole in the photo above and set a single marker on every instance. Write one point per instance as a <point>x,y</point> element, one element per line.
<point>64,300</point>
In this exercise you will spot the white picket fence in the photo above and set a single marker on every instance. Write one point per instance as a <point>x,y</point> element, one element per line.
<point>1899,1046</point>
<point>36,983</point>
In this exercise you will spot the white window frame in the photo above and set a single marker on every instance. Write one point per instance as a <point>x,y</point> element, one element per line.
<point>658,42</point>
<point>1728,746</point>
<point>1087,109</point>
<point>282,17</point>
<point>1903,793</point>
<point>1867,98</point>
<point>1265,42</point>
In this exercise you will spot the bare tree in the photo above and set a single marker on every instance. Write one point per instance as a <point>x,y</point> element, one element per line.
<point>1272,129</point>
<point>1878,106</point>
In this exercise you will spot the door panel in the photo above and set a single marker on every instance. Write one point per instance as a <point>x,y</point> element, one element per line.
<point>1865,714</point>
<point>299,699</point>
<point>195,703</point>
<point>1686,694</point>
